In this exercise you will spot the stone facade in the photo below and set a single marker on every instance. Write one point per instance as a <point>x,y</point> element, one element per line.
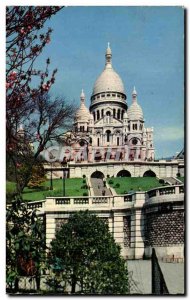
<point>137,221</point>
<point>111,168</point>
<point>109,129</point>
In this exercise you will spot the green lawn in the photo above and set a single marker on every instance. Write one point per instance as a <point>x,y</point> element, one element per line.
<point>10,187</point>
<point>124,185</point>
<point>181,179</point>
<point>72,188</point>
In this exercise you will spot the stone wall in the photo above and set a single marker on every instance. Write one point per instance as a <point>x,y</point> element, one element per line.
<point>127,230</point>
<point>164,228</point>
<point>111,168</point>
<point>138,222</point>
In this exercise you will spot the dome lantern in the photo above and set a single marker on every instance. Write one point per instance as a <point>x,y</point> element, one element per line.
<point>134,95</point>
<point>82,96</point>
<point>108,57</point>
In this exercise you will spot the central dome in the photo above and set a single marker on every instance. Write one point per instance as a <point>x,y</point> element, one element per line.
<point>109,80</point>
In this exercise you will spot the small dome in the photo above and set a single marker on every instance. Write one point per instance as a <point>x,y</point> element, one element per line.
<point>109,80</point>
<point>82,113</point>
<point>135,111</point>
<point>91,117</point>
<point>125,116</point>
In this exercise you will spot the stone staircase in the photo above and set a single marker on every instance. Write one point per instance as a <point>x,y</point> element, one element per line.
<point>98,187</point>
<point>171,180</point>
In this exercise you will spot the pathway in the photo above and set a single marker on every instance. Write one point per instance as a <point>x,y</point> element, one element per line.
<point>140,276</point>
<point>98,187</point>
<point>170,180</point>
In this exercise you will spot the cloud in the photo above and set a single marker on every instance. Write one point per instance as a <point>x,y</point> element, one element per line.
<point>168,134</point>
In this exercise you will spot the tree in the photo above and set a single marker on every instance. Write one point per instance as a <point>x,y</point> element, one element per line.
<point>27,90</point>
<point>85,256</point>
<point>38,176</point>
<point>25,244</point>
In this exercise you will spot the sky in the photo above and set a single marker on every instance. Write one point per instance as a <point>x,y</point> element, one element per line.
<point>147,52</point>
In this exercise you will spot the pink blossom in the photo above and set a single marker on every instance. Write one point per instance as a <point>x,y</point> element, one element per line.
<point>45,87</point>
<point>22,31</point>
<point>48,40</point>
<point>7,85</point>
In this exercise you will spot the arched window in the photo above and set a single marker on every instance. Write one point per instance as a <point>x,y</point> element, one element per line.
<point>122,114</point>
<point>98,142</point>
<point>108,133</point>
<point>108,114</point>
<point>102,113</point>
<point>117,141</point>
<point>114,112</point>
<point>94,115</point>
<point>98,115</point>
<point>118,114</point>
<point>149,173</point>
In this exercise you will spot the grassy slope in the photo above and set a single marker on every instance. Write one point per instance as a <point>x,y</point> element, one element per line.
<point>181,178</point>
<point>72,187</point>
<point>10,187</point>
<point>134,184</point>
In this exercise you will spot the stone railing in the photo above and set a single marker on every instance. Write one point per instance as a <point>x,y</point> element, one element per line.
<point>165,193</point>
<point>165,190</point>
<point>90,202</point>
<point>36,205</point>
<point>74,202</point>
<point>161,194</point>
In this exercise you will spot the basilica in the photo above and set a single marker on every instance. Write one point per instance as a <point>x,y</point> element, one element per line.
<point>109,129</point>
<point>110,140</point>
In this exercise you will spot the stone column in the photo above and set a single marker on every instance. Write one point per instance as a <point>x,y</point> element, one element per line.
<point>137,226</point>
<point>50,228</point>
<point>118,230</point>
<point>90,156</point>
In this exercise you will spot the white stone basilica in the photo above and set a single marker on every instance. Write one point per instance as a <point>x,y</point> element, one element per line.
<point>117,144</point>
<point>109,127</point>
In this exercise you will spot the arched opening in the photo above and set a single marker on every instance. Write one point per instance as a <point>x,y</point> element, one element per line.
<point>118,114</point>
<point>97,174</point>
<point>102,111</point>
<point>108,133</point>
<point>123,173</point>
<point>149,173</point>
<point>122,114</point>
<point>108,114</point>
<point>114,112</point>
<point>98,115</point>
<point>97,156</point>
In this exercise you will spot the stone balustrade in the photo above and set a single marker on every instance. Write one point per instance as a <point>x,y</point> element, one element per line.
<point>165,194</point>
<point>39,205</point>
<point>161,194</point>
